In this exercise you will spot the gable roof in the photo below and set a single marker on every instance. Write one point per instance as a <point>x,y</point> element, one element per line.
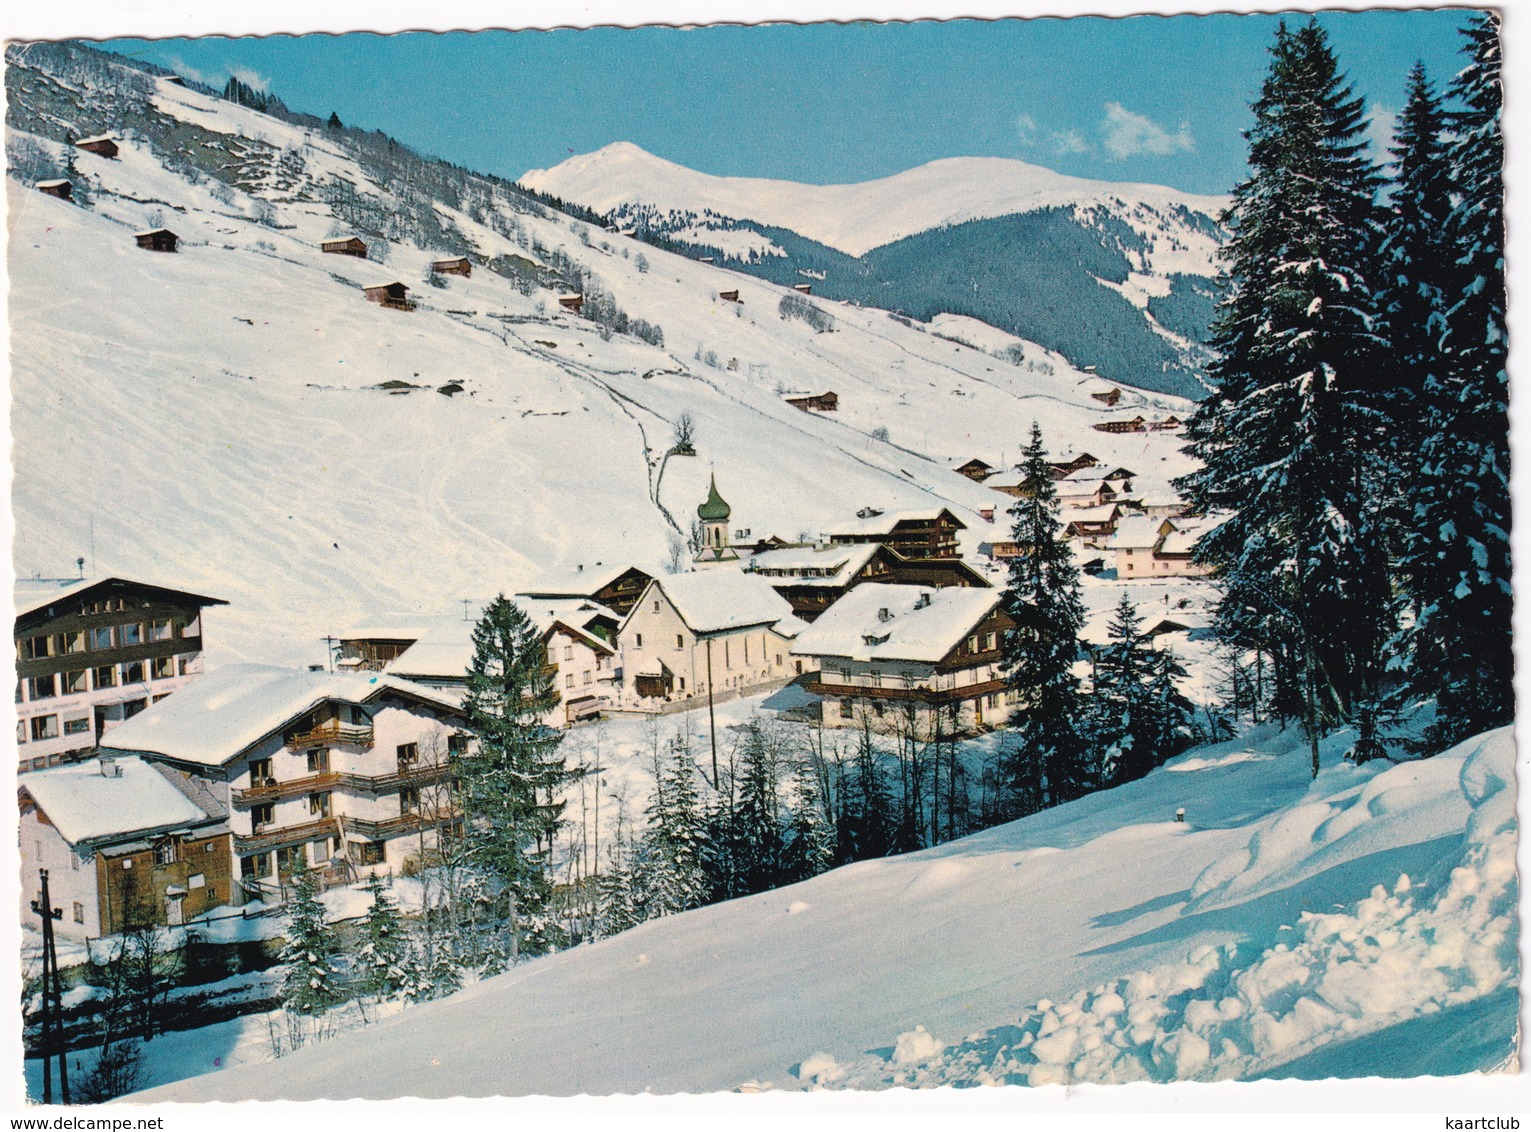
<point>923,624</point>
<point>844,561</point>
<point>715,601</point>
<point>86,805</point>
<point>37,595</point>
<point>216,718</point>
<point>883,523</point>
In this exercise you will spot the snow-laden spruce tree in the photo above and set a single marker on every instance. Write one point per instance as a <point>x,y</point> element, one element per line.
<point>1139,713</point>
<point>1456,564</point>
<point>385,957</point>
<point>866,817</point>
<point>1049,748</point>
<point>811,836</point>
<point>314,979</point>
<point>1292,438</point>
<point>672,871</point>
<point>757,826</point>
<point>510,779</point>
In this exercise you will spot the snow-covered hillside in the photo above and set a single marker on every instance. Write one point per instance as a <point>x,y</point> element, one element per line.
<point>1099,941</point>
<point>859,217</point>
<point>213,419</point>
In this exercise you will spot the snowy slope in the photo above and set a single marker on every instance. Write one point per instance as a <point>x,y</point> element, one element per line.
<point>1100,941</point>
<point>859,217</point>
<point>211,419</point>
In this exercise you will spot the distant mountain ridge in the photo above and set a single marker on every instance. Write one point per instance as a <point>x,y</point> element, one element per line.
<point>1120,277</point>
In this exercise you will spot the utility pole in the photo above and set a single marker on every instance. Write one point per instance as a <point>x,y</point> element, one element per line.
<point>53,999</point>
<point>712,722</point>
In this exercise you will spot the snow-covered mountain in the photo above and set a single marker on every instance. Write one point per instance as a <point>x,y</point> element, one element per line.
<point>990,237</point>
<point>1359,924</point>
<point>237,419</point>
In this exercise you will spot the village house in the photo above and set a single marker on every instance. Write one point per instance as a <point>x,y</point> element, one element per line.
<point>718,632</point>
<point>1090,523</point>
<point>913,534</point>
<point>349,245</point>
<point>342,772</point>
<point>157,240</point>
<point>975,469</point>
<point>614,587</point>
<point>1136,424</point>
<point>101,145</point>
<point>826,402</point>
<point>457,265</point>
<point>1071,462</point>
<point>1146,547</point>
<point>896,657</point>
<point>812,578</point>
<point>573,303</point>
<point>92,652</point>
<point>1108,396</point>
<point>126,844</point>
<point>394,296</point>
<point>61,189</point>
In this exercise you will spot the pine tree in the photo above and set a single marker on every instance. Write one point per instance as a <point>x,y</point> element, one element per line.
<point>1456,566</point>
<point>1042,598</point>
<point>673,876</point>
<point>313,981</point>
<point>866,820</point>
<point>334,123</point>
<point>1140,713</point>
<point>757,829</point>
<point>510,780</point>
<point>1290,440</point>
<point>384,954</point>
<point>811,835</point>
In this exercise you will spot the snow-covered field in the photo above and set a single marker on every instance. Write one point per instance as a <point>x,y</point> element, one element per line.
<point>1286,927</point>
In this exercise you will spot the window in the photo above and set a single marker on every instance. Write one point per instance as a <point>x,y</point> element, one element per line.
<point>319,760</point>
<point>568,652</point>
<point>130,708</point>
<point>37,648</point>
<point>254,867</point>
<point>638,640</point>
<point>568,680</point>
<point>41,687</point>
<point>73,642</point>
<point>291,859</point>
<point>847,709</point>
<point>319,804</point>
<point>165,853</point>
<point>682,683</point>
<point>105,676</point>
<point>133,672</point>
<point>988,640</point>
<point>161,696</point>
<point>127,862</point>
<point>130,635</point>
<point>159,630</point>
<point>408,755</point>
<point>370,852</point>
<point>44,727</point>
<point>101,637</point>
<point>263,814</point>
<point>587,677</point>
<point>21,731</point>
<point>209,847</point>
<point>409,800</point>
<point>680,640</point>
<point>196,880</point>
<point>973,643</point>
<point>74,683</point>
<point>457,744</point>
<point>79,912</point>
<point>18,692</point>
<point>76,726</point>
<point>656,605</point>
<point>260,773</point>
<point>162,667</point>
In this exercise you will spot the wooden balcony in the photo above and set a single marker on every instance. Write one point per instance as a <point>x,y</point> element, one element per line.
<point>271,790</point>
<point>930,696</point>
<point>276,837</point>
<point>378,830</point>
<point>328,734</point>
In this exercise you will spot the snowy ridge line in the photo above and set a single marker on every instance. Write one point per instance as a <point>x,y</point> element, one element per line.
<point>1240,1010</point>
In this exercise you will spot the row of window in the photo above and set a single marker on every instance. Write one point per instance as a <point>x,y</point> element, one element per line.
<point>294,859</point>
<point>95,639</point>
<point>317,760</point>
<point>103,676</point>
<point>41,727</point>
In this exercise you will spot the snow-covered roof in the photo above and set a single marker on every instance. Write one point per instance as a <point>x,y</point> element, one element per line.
<point>1099,514</point>
<point>214,719</point>
<point>52,184</point>
<point>96,138</point>
<point>1185,533</point>
<point>790,564</point>
<point>576,582</point>
<point>88,805</point>
<point>153,232</point>
<point>33,594</point>
<point>713,601</point>
<point>1096,473</point>
<point>1137,532</point>
<point>922,624</point>
<point>884,522</point>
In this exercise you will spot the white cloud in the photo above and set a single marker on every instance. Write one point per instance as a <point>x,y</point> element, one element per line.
<point>187,71</point>
<point>1382,131</point>
<point>250,78</point>
<point>1026,129</point>
<point>1126,134</point>
<point>1069,141</point>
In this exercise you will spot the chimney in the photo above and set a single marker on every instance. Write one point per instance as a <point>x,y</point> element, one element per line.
<point>109,768</point>
<point>885,614</point>
<point>923,600</point>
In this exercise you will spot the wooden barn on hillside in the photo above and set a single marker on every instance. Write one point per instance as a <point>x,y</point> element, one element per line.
<point>803,288</point>
<point>392,295</point>
<point>350,245</point>
<point>61,189</point>
<point>571,302</point>
<point>456,266</point>
<point>157,240</point>
<point>102,146</point>
<point>729,296</point>
<point>825,402</point>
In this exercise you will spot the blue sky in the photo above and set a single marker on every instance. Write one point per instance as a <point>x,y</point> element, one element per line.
<point>1144,98</point>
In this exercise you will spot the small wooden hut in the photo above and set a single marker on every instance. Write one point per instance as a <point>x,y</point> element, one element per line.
<point>803,288</point>
<point>571,302</point>
<point>729,296</point>
<point>61,189</point>
<point>102,146</point>
<point>157,240</point>
<point>394,295</point>
<point>457,266</point>
<point>351,245</point>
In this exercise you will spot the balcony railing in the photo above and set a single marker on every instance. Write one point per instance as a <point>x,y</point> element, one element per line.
<point>922,695</point>
<point>271,790</point>
<point>275,837</point>
<point>330,733</point>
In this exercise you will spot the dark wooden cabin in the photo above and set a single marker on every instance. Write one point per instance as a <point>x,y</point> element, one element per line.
<point>61,189</point>
<point>101,146</point>
<point>351,245</point>
<point>157,240</point>
<point>826,402</point>
<point>457,266</point>
<point>729,296</point>
<point>571,302</point>
<point>393,295</point>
